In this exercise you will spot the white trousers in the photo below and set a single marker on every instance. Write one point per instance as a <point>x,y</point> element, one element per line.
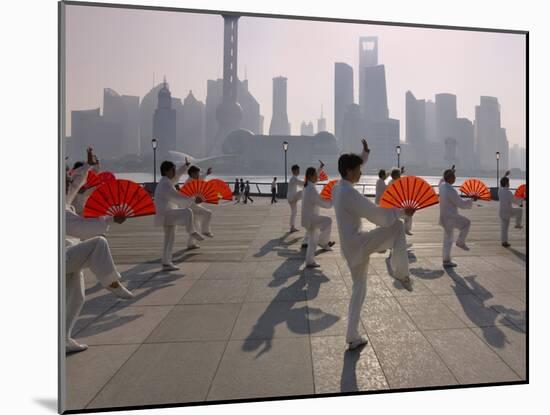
<point>293,202</point>
<point>358,295</point>
<point>463,225</point>
<point>201,220</point>
<point>318,233</point>
<point>516,213</point>
<point>173,218</point>
<point>94,254</point>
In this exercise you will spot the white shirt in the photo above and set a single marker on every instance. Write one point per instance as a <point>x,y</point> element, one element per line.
<point>380,187</point>
<point>311,204</point>
<point>293,184</point>
<point>506,198</point>
<point>168,198</point>
<point>78,176</point>
<point>350,206</point>
<point>449,203</point>
<point>79,227</point>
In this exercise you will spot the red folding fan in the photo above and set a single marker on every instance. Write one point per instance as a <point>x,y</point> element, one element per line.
<point>95,179</point>
<point>326,193</point>
<point>409,192</point>
<point>206,190</point>
<point>323,176</point>
<point>223,189</point>
<point>119,198</point>
<point>475,188</point>
<point>521,192</point>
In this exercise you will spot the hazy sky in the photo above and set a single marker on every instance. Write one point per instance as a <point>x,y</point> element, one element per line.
<point>126,49</point>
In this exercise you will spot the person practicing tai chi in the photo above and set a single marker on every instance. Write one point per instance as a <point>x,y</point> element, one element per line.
<point>168,215</point>
<point>380,185</point>
<point>312,221</point>
<point>86,248</point>
<point>201,215</point>
<point>506,211</point>
<point>294,195</point>
<point>449,218</point>
<point>395,175</point>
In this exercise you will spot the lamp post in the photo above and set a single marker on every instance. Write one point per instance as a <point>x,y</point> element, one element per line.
<point>154,144</point>
<point>497,154</point>
<point>285,148</point>
<point>398,151</point>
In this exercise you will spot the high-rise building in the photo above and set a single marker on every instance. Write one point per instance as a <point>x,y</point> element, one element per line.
<point>445,116</point>
<point>193,126</point>
<point>464,133</point>
<point>279,120</point>
<point>353,129</point>
<point>368,57</point>
<point>164,122</point>
<point>416,127</point>
<point>89,129</point>
<point>321,123</point>
<point>488,132</point>
<point>250,107</point>
<point>431,133</point>
<point>343,96</point>
<point>375,107</point>
<point>122,110</point>
<point>306,128</point>
<point>147,107</point>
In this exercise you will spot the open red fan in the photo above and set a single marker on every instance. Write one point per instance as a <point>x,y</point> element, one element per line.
<point>521,192</point>
<point>323,176</point>
<point>475,188</point>
<point>223,189</point>
<point>409,192</point>
<point>119,198</point>
<point>326,193</point>
<point>95,179</point>
<point>206,190</point>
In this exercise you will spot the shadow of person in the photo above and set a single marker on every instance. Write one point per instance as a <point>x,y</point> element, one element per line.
<point>519,254</point>
<point>348,378</point>
<point>426,273</point>
<point>48,403</point>
<point>288,269</point>
<point>279,245</point>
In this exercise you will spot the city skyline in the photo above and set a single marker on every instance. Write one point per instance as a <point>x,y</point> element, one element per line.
<point>93,63</point>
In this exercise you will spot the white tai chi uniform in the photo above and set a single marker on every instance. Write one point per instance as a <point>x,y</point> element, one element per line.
<point>168,215</point>
<point>293,196</point>
<point>506,211</point>
<point>380,187</point>
<point>313,222</point>
<point>408,220</point>
<point>201,216</point>
<point>449,203</point>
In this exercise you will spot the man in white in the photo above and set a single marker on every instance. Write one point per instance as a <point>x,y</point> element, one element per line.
<point>168,215</point>
<point>357,245</point>
<point>380,185</point>
<point>201,215</point>
<point>313,222</point>
<point>449,218</point>
<point>395,175</point>
<point>93,253</point>
<point>506,211</point>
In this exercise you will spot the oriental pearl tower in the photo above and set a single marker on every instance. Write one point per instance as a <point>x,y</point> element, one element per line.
<point>229,112</point>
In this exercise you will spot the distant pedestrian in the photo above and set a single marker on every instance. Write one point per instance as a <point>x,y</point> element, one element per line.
<point>274,191</point>
<point>247,192</point>
<point>236,190</point>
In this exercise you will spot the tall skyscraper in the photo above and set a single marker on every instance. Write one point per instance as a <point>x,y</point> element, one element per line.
<point>279,120</point>
<point>375,107</point>
<point>430,121</point>
<point>306,128</point>
<point>147,107</point>
<point>353,128</point>
<point>416,127</point>
<point>250,107</point>
<point>193,126</point>
<point>122,110</point>
<point>368,57</point>
<point>467,157</point>
<point>489,135</point>
<point>343,96</point>
<point>445,116</point>
<point>321,122</point>
<point>164,122</point>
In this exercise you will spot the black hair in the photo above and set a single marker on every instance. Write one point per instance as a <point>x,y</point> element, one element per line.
<point>193,169</point>
<point>165,167</point>
<point>447,174</point>
<point>382,173</point>
<point>347,162</point>
<point>295,167</point>
<point>395,172</point>
<point>310,171</point>
<point>275,178</point>
<point>505,181</point>
<point>78,164</point>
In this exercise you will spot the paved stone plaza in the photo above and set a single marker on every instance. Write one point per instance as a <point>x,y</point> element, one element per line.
<point>243,319</point>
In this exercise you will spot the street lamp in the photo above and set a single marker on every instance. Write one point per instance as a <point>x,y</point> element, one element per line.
<point>154,144</point>
<point>398,151</point>
<point>497,154</point>
<point>285,148</point>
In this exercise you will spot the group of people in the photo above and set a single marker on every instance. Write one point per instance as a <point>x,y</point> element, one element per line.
<point>241,191</point>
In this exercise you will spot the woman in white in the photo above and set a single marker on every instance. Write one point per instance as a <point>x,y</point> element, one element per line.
<point>294,195</point>
<point>357,245</point>
<point>201,215</point>
<point>380,185</point>
<point>506,211</point>
<point>93,253</point>
<point>168,215</point>
<point>395,175</point>
<point>449,218</point>
<point>313,221</point>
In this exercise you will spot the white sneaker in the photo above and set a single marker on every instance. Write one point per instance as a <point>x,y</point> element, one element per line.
<point>313,265</point>
<point>328,247</point>
<point>359,342</point>
<point>193,246</point>
<point>209,234</point>
<point>463,246</point>
<point>197,236</point>
<point>448,264</point>
<point>121,291</point>
<point>72,346</point>
<point>169,267</point>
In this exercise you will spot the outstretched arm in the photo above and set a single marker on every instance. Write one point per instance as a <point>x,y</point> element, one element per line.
<point>364,208</point>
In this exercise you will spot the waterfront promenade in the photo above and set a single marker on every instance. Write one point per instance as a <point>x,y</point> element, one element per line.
<point>243,319</point>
